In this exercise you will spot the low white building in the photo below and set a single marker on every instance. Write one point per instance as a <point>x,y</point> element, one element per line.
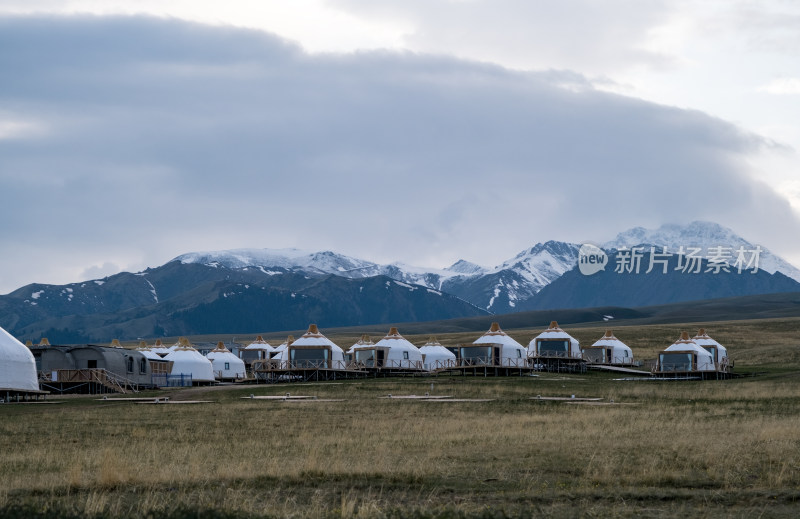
<point>554,343</point>
<point>17,366</point>
<point>312,351</point>
<point>685,356</point>
<point>718,352</point>
<point>609,350</point>
<point>188,361</point>
<point>225,364</point>
<point>493,348</point>
<point>436,357</point>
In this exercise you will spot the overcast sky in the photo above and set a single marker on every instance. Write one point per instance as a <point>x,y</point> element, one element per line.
<point>421,131</point>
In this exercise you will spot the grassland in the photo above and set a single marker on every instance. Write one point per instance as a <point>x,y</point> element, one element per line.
<point>661,449</point>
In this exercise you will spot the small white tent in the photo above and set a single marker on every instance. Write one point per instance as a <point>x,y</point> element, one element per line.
<point>225,364</point>
<point>314,350</point>
<point>188,361</point>
<point>494,348</point>
<point>17,365</point>
<point>396,352</point>
<point>608,350</point>
<point>718,352</point>
<point>436,357</point>
<point>684,356</point>
<point>259,349</point>
<point>554,343</point>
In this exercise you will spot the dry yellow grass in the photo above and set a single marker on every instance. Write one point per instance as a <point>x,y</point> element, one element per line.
<point>664,448</point>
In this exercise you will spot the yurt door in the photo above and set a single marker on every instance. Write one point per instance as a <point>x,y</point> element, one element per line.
<point>379,357</point>
<point>496,355</point>
<point>610,356</point>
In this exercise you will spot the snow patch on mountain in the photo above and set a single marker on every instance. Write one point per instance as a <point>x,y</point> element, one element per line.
<point>704,235</point>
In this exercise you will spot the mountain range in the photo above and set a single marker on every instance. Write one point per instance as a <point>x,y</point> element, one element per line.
<point>260,290</point>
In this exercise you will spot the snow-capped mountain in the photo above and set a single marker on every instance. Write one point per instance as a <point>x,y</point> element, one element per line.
<point>281,289</point>
<point>703,235</point>
<point>505,288</point>
<point>324,262</point>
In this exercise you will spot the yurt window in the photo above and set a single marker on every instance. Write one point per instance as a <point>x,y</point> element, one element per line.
<point>519,354</point>
<point>405,355</point>
<point>309,356</point>
<point>477,354</point>
<point>227,365</point>
<point>130,364</point>
<point>553,346</point>
<point>676,361</point>
<point>712,350</point>
<point>365,357</point>
<point>143,366</point>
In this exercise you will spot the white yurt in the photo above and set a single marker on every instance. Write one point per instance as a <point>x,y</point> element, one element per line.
<point>225,364</point>
<point>608,350</point>
<point>361,354</point>
<point>684,356</point>
<point>313,350</point>
<point>396,352</point>
<point>494,348</point>
<point>17,366</point>
<point>718,352</point>
<point>259,349</point>
<point>188,361</point>
<point>435,356</point>
<point>554,343</point>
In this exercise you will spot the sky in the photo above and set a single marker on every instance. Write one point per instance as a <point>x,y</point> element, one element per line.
<point>419,131</point>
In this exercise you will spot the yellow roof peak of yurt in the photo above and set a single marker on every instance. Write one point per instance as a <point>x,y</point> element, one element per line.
<point>159,343</point>
<point>28,343</point>
<point>313,331</point>
<point>259,340</point>
<point>609,335</point>
<point>44,342</point>
<point>365,339</point>
<point>143,345</point>
<point>495,329</point>
<point>220,348</point>
<point>553,326</point>
<point>184,344</point>
<point>115,343</point>
<point>393,333</point>
<point>685,337</point>
<point>432,341</point>
<point>290,339</point>
<point>702,333</point>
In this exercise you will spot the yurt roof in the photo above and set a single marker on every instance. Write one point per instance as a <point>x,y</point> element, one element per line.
<point>686,344</point>
<point>393,339</point>
<point>702,339</point>
<point>17,365</point>
<point>497,336</point>
<point>365,341</point>
<point>434,349</point>
<point>554,332</point>
<point>609,341</point>
<point>221,353</point>
<point>313,337</point>
<point>260,344</point>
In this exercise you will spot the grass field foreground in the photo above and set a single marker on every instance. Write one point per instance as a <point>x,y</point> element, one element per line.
<point>661,449</point>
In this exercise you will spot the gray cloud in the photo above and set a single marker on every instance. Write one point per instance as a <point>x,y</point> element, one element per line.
<point>163,137</point>
<point>585,35</point>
